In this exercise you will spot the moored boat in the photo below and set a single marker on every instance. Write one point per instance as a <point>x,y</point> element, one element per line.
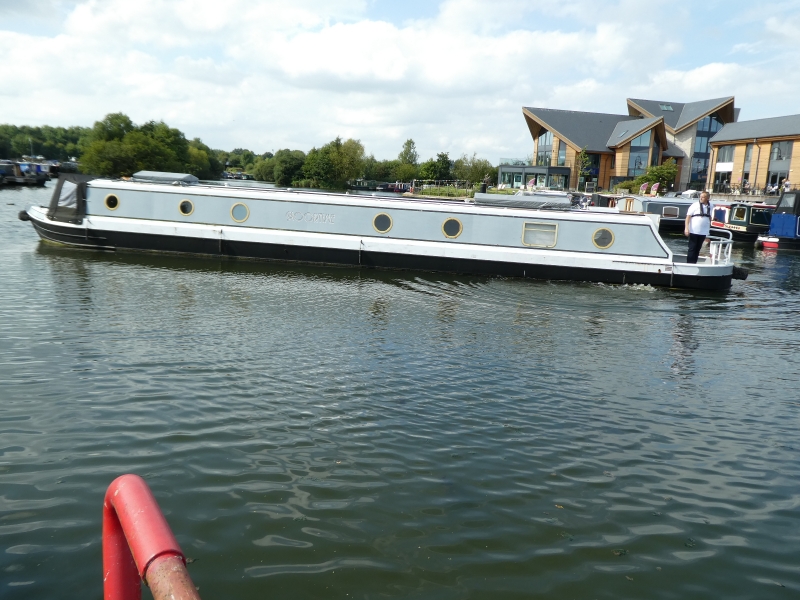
<point>784,226</point>
<point>743,220</point>
<point>15,173</point>
<point>169,212</point>
<point>670,210</point>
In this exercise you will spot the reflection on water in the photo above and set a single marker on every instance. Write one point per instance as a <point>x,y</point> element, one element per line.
<point>321,432</point>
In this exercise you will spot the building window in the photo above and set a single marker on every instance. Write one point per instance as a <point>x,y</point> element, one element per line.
<point>781,151</point>
<point>544,149</point>
<point>562,153</point>
<point>656,151</point>
<point>640,150</point>
<point>725,154</point>
<point>707,127</point>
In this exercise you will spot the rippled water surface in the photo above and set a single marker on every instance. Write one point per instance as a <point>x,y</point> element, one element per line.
<point>336,433</point>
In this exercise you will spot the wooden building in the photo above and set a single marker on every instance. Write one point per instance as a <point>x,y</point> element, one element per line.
<point>755,156</point>
<point>619,146</point>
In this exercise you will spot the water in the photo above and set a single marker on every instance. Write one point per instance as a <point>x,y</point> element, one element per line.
<point>335,433</point>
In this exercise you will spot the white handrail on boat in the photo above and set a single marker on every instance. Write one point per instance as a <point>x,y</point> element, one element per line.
<point>720,249</point>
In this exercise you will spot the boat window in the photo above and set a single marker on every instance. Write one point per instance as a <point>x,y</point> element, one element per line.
<point>760,216</point>
<point>786,203</point>
<point>740,213</point>
<point>382,223</point>
<point>540,235</point>
<point>69,196</point>
<point>239,212</point>
<point>603,238</point>
<point>670,212</point>
<point>452,228</point>
<point>186,207</point>
<point>112,202</point>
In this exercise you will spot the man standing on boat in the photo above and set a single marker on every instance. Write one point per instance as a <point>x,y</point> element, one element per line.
<point>698,225</point>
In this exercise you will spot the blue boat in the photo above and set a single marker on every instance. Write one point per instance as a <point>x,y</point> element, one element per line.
<point>784,227</point>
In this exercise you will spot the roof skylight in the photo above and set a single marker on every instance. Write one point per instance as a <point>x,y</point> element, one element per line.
<point>666,107</point>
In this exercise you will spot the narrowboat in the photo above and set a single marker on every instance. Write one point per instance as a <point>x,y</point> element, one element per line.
<point>15,173</point>
<point>744,221</point>
<point>173,212</point>
<point>784,226</point>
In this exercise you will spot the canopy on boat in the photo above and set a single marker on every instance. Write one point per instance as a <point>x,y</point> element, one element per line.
<point>69,198</point>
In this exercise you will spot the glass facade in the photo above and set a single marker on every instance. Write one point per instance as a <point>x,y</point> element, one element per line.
<point>781,151</point>
<point>725,154</point>
<point>707,128</point>
<point>544,149</point>
<point>640,152</point>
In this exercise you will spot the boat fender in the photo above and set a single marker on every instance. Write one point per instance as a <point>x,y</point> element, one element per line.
<point>23,215</point>
<point>740,273</point>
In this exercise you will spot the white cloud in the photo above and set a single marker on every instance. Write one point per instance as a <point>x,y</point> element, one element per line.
<point>270,74</point>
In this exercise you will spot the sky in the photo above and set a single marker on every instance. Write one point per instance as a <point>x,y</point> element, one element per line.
<point>453,75</point>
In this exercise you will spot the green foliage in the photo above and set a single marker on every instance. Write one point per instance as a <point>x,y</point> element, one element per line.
<point>332,165</point>
<point>436,168</point>
<point>288,166</point>
<point>408,155</point>
<point>583,162</point>
<point>115,147</point>
<point>59,143</point>
<point>664,175</point>
<point>264,168</point>
<point>405,172</point>
<point>113,127</point>
<point>473,169</point>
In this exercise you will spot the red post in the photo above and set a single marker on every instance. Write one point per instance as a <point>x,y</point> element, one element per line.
<point>138,542</point>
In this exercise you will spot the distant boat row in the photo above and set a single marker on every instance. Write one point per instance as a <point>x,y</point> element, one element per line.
<point>26,173</point>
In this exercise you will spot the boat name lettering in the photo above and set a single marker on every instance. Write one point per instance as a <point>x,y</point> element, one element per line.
<point>310,217</point>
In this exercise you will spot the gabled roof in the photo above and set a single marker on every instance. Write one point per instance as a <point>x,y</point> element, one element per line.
<point>597,132</point>
<point>625,131</point>
<point>673,151</point>
<point>578,129</point>
<point>682,114</point>
<point>773,127</point>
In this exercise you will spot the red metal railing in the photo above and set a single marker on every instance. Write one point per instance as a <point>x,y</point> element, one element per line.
<point>138,545</point>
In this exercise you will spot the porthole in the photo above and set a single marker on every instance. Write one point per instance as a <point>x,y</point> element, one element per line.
<point>112,202</point>
<point>382,223</point>
<point>603,238</point>
<point>186,207</point>
<point>239,212</point>
<point>452,228</point>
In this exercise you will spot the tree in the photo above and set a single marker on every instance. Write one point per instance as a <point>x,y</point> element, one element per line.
<point>408,155</point>
<point>264,169</point>
<point>583,162</point>
<point>114,126</point>
<point>332,165</point>
<point>438,168</point>
<point>405,172</point>
<point>664,175</point>
<point>288,166</point>
<point>473,169</point>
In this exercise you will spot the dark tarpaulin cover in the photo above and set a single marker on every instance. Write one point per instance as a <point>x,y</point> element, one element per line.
<point>69,198</point>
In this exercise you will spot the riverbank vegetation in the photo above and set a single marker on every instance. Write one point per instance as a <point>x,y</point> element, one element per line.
<point>115,147</point>
<point>663,175</point>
